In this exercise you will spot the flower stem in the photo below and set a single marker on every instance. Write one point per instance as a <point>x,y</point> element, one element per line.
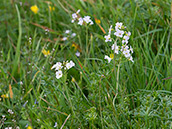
<point>117,83</point>
<point>117,78</point>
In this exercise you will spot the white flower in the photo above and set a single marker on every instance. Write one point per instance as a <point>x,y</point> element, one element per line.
<point>55,124</point>
<point>70,64</point>
<point>59,74</point>
<point>118,26</point>
<point>80,21</point>
<point>87,19</point>
<point>126,53</point>
<point>64,38</point>
<point>114,46</point>
<point>72,20</point>
<point>17,127</point>
<point>124,48</point>
<point>125,39</point>
<point>73,35</point>
<point>108,58</point>
<point>67,31</point>
<point>77,54</point>
<point>74,16</point>
<point>91,22</point>
<point>8,127</point>
<point>57,66</point>
<point>131,59</point>
<point>119,33</point>
<point>107,38</point>
<point>128,34</point>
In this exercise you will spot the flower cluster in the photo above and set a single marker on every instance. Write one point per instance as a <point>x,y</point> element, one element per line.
<point>68,34</point>
<point>123,36</point>
<point>81,21</point>
<point>65,65</point>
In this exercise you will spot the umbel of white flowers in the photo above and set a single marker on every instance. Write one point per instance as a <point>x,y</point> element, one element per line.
<point>59,66</point>
<point>124,36</point>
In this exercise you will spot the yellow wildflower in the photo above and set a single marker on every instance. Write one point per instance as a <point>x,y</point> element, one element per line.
<point>111,56</point>
<point>29,127</point>
<point>4,96</point>
<point>51,8</point>
<point>46,53</point>
<point>34,9</point>
<point>97,21</point>
<point>73,79</point>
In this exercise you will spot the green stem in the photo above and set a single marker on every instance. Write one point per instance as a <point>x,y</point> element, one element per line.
<point>117,78</point>
<point>86,51</point>
<point>117,83</point>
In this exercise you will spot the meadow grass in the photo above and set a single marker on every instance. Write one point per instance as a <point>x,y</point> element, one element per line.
<point>93,93</point>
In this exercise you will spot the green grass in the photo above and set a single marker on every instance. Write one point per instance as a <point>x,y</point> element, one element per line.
<point>103,95</point>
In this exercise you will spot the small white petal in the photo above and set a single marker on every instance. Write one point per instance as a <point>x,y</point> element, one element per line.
<point>77,54</point>
<point>108,58</point>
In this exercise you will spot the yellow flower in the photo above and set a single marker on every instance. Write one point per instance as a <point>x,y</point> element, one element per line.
<point>73,79</point>
<point>29,127</point>
<point>111,56</point>
<point>34,9</point>
<point>97,21</point>
<point>46,53</point>
<point>51,8</point>
<point>4,96</point>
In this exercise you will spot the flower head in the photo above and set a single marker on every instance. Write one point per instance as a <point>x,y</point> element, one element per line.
<point>59,74</point>
<point>75,16</point>
<point>115,48</point>
<point>46,53</point>
<point>73,35</point>
<point>64,38</point>
<point>77,53</point>
<point>70,64</point>
<point>86,19</point>
<point>107,38</point>
<point>34,9</point>
<point>118,26</point>
<point>108,58</point>
<point>80,21</point>
<point>67,31</point>
<point>57,66</point>
<point>119,33</point>
<point>126,53</point>
<point>125,39</point>
<point>29,127</point>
